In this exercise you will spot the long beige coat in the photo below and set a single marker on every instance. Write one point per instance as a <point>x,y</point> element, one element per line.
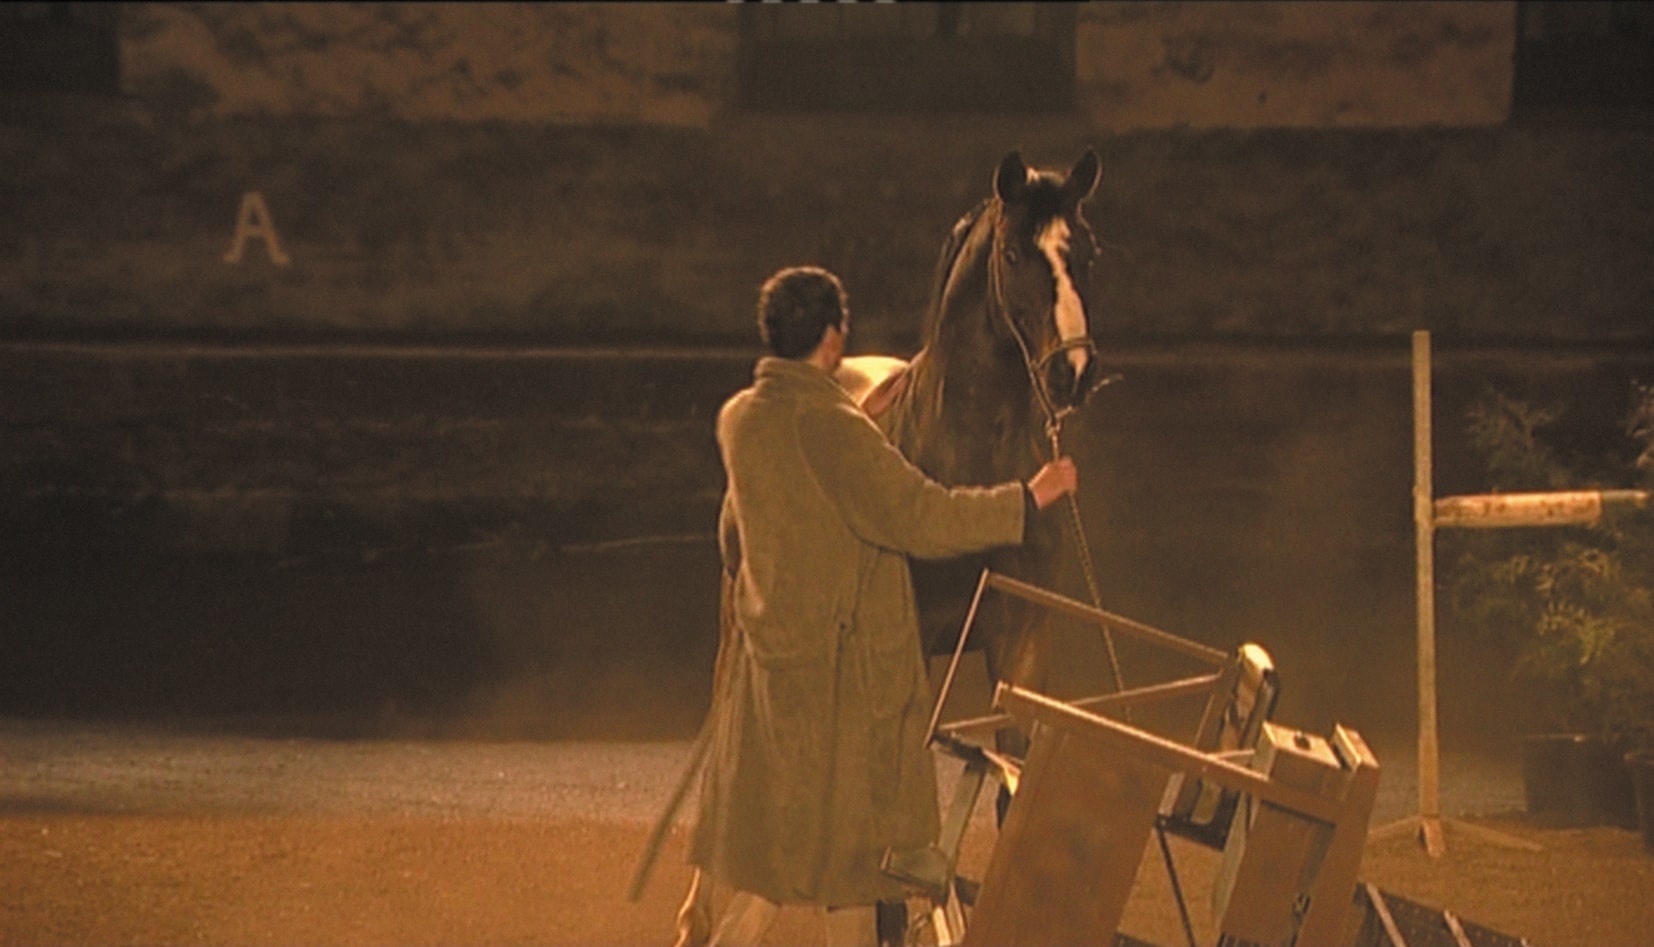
<point>817,760</point>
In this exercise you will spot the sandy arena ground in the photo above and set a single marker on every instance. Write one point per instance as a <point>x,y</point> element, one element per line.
<point>126,835</point>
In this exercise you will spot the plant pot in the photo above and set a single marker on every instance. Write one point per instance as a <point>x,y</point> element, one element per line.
<point>1575,780</point>
<point>1641,765</point>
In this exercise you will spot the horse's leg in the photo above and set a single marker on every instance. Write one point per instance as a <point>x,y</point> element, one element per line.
<point>1016,654</point>
<point>1020,650</point>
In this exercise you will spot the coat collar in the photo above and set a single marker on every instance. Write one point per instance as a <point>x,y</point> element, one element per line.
<point>795,376</point>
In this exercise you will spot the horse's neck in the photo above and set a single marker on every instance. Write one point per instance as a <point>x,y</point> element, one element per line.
<point>966,414</point>
<point>964,420</point>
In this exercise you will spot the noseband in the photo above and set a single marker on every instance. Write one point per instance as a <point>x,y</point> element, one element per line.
<point>1036,367</point>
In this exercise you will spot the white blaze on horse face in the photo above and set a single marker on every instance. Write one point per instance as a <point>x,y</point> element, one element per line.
<point>1070,310</point>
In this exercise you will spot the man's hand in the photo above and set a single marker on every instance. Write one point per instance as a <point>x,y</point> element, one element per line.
<point>1054,481</point>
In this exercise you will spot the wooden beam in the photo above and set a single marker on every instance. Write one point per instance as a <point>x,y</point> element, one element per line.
<point>1557,508</point>
<point>983,728</point>
<point>1136,629</point>
<point>1159,751</point>
<point>1424,539</point>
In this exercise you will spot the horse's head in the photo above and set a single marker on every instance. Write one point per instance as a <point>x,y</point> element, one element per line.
<point>1039,270</point>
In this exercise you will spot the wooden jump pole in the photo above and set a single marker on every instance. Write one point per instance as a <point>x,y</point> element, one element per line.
<point>1428,821</point>
<point>1556,508</point>
<point>1424,541</point>
<point>1482,511</point>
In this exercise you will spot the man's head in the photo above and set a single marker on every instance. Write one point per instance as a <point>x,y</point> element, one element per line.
<point>796,308</point>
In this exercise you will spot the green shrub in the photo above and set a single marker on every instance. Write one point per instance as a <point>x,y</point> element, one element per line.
<point>1577,599</point>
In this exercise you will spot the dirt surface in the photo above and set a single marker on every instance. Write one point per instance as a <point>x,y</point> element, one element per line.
<point>125,835</point>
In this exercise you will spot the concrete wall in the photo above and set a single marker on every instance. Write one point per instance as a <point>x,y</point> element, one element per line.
<point>662,235</point>
<point>561,63</point>
<point>1137,65</point>
<point>1300,65</point>
<point>580,171</point>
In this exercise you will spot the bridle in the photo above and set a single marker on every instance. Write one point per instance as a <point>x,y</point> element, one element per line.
<point>1036,366</point>
<point>1054,419</point>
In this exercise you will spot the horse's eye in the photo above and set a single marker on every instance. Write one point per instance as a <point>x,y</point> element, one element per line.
<point>1011,255</point>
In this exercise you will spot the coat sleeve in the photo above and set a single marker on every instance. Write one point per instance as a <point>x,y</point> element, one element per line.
<point>889,502</point>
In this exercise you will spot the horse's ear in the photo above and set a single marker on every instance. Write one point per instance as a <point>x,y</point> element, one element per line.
<point>1082,179</point>
<point>1011,178</point>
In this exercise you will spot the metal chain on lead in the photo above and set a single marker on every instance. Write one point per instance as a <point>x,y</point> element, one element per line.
<point>1087,566</point>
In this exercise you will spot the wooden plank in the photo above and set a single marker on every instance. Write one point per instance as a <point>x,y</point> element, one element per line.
<point>1335,880</point>
<point>1136,629</point>
<point>1553,508</point>
<point>1162,752</point>
<point>1063,867</point>
<point>982,729</point>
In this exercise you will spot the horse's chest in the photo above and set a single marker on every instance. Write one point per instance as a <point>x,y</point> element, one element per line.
<point>991,445</point>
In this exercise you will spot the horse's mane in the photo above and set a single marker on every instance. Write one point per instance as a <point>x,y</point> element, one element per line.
<point>1044,196</point>
<point>909,408</point>
<point>945,263</point>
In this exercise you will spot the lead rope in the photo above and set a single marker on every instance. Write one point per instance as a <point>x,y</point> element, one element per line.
<point>1087,566</point>
<point>1054,418</point>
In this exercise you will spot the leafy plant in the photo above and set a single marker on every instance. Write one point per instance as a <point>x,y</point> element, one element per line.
<point>1577,599</point>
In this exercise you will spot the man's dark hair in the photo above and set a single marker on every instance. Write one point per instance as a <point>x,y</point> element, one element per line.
<point>795,307</point>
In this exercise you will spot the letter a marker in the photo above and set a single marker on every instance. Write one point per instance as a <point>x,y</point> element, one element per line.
<point>254,221</point>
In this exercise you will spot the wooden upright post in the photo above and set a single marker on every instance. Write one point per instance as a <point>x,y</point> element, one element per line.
<point>1424,533</point>
<point>1488,510</point>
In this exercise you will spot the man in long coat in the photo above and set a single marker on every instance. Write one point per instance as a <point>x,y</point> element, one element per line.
<point>817,761</point>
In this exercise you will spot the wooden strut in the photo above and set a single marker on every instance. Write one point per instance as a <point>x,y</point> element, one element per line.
<point>983,728</point>
<point>963,735</point>
<point>1483,511</point>
<point>663,823</point>
<point>1131,627</point>
<point>1375,900</point>
<point>1379,909</point>
<point>1159,751</point>
<point>1424,537</point>
<point>698,753</point>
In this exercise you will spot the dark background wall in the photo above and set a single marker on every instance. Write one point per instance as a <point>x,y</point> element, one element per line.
<point>450,467</point>
<point>597,171</point>
<point>651,235</point>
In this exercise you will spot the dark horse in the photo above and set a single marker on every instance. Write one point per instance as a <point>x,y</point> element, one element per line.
<point>1007,353</point>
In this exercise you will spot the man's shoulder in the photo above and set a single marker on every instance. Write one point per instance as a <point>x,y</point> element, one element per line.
<point>733,407</point>
<point>738,398</point>
<point>745,395</point>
